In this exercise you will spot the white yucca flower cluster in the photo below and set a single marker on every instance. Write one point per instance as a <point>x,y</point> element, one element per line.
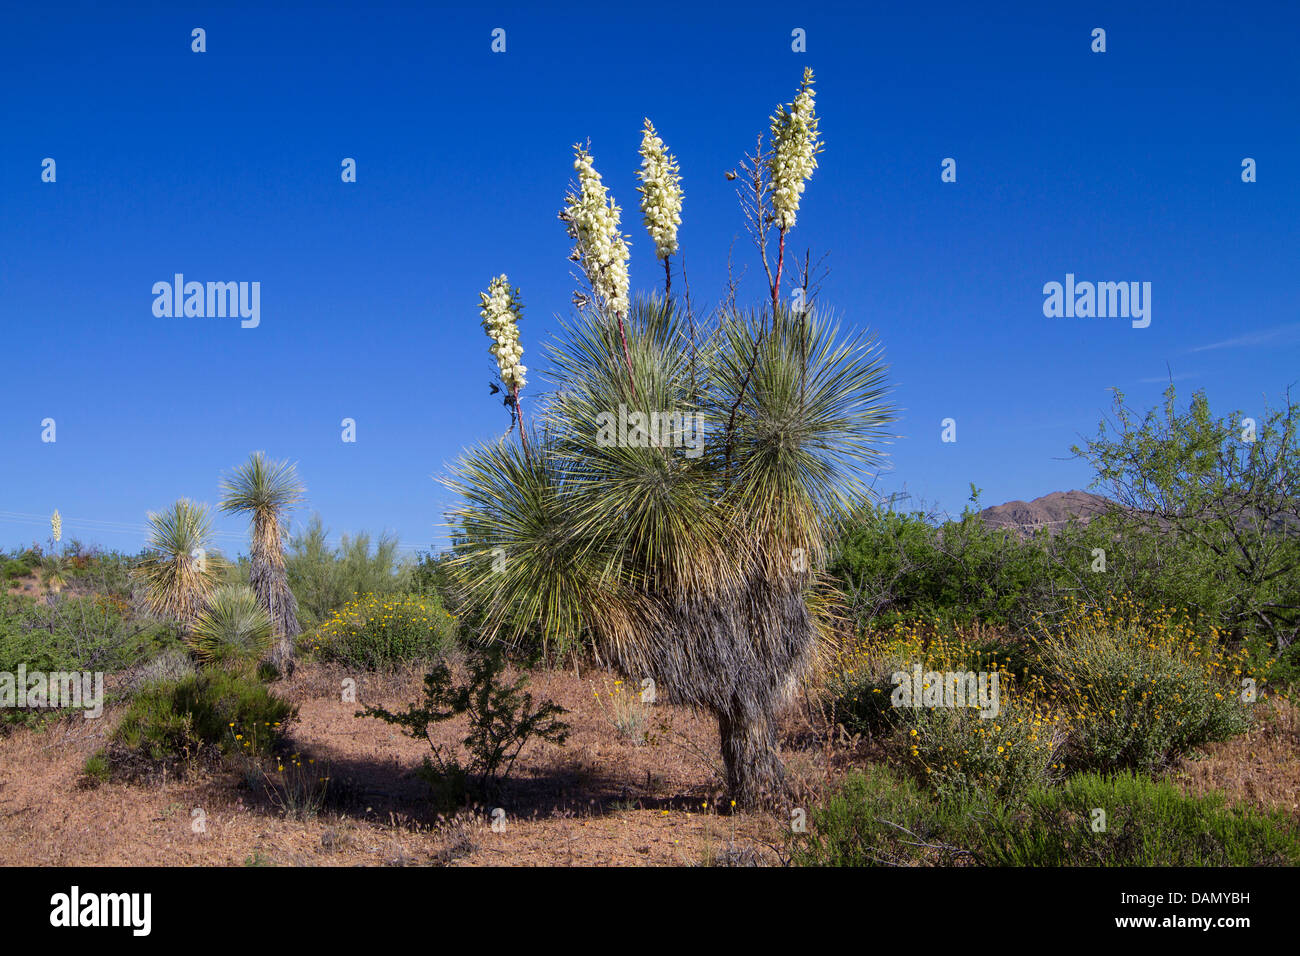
<point>593,220</point>
<point>794,152</point>
<point>501,313</point>
<point>661,192</point>
<point>56,525</point>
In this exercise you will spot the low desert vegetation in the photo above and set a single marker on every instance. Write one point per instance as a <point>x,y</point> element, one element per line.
<point>324,577</point>
<point>879,818</point>
<point>375,632</point>
<point>174,724</point>
<point>502,718</point>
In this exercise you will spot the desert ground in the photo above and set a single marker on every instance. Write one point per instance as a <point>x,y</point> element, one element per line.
<point>595,801</point>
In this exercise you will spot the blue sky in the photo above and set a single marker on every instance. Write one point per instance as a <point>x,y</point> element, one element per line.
<point>225,165</point>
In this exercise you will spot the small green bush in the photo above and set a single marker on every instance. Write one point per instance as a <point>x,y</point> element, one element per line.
<point>173,722</point>
<point>76,633</point>
<point>1146,824</point>
<point>374,632</point>
<point>878,818</point>
<point>502,719</point>
<point>15,568</point>
<point>72,633</point>
<point>958,753</point>
<point>97,768</point>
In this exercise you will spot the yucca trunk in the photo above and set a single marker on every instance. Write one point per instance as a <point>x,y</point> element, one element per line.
<point>737,654</point>
<point>751,755</point>
<point>773,641</point>
<point>270,582</point>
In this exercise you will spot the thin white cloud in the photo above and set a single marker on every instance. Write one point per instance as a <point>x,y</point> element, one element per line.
<point>1264,337</point>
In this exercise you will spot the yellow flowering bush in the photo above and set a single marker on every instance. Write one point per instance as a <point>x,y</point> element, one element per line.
<point>960,753</point>
<point>1143,687</point>
<point>955,749</point>
<point>378,631</point>
<point>859,679</point>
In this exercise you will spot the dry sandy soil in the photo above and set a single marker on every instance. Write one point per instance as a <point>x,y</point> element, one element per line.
<point>597,800</point>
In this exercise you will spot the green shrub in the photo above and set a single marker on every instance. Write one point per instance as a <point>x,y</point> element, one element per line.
<point>375,632</point>
<point>860,682</point>
<point>1202,522</point>
<point>106,573</point>
<point>1214,514</point>
<point>959,753</point>
<point>956,750</point>
<point>172,723</point>
<point>324,578</point>
<point>502,719</point>
<point>97,768</point>
<point>1146,824</point>
<point>877,818</point>
<point>76,633</point>
<point>1142,689</point>
<point>901,567</point>
<point>16,568</point>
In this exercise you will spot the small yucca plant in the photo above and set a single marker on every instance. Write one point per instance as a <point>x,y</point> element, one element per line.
<point>234,631</point>
<point>180,569</point>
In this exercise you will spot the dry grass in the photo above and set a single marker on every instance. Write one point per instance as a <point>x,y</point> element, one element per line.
<point>1261,768</point>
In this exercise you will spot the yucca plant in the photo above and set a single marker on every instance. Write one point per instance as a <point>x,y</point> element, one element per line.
<point>700,572</point>
<point>266,491</point>
<point>53,564</point>
<point>234,631</point>
<point>681,488</point>
<point>180,568</point>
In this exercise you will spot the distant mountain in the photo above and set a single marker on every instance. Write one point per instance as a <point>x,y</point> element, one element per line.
<point>1050,511</point>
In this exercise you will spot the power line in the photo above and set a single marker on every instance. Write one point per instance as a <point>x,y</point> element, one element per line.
<point>102,526</point>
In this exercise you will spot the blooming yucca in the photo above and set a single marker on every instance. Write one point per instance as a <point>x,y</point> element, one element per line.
<point>501,311</point>
<point>661,192</point>
<point>56,525</point>
<point>673,568</point>
<point>593,219</point>
<point>794,152</point>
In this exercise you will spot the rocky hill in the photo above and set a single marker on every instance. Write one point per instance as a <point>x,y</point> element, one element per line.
<point>1050,511</point>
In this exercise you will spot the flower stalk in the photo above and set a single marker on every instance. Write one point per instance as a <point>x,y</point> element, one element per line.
<point>500,310</point>
<point>661,197</point>
<point>593,220</point>
<point>795,145</point>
